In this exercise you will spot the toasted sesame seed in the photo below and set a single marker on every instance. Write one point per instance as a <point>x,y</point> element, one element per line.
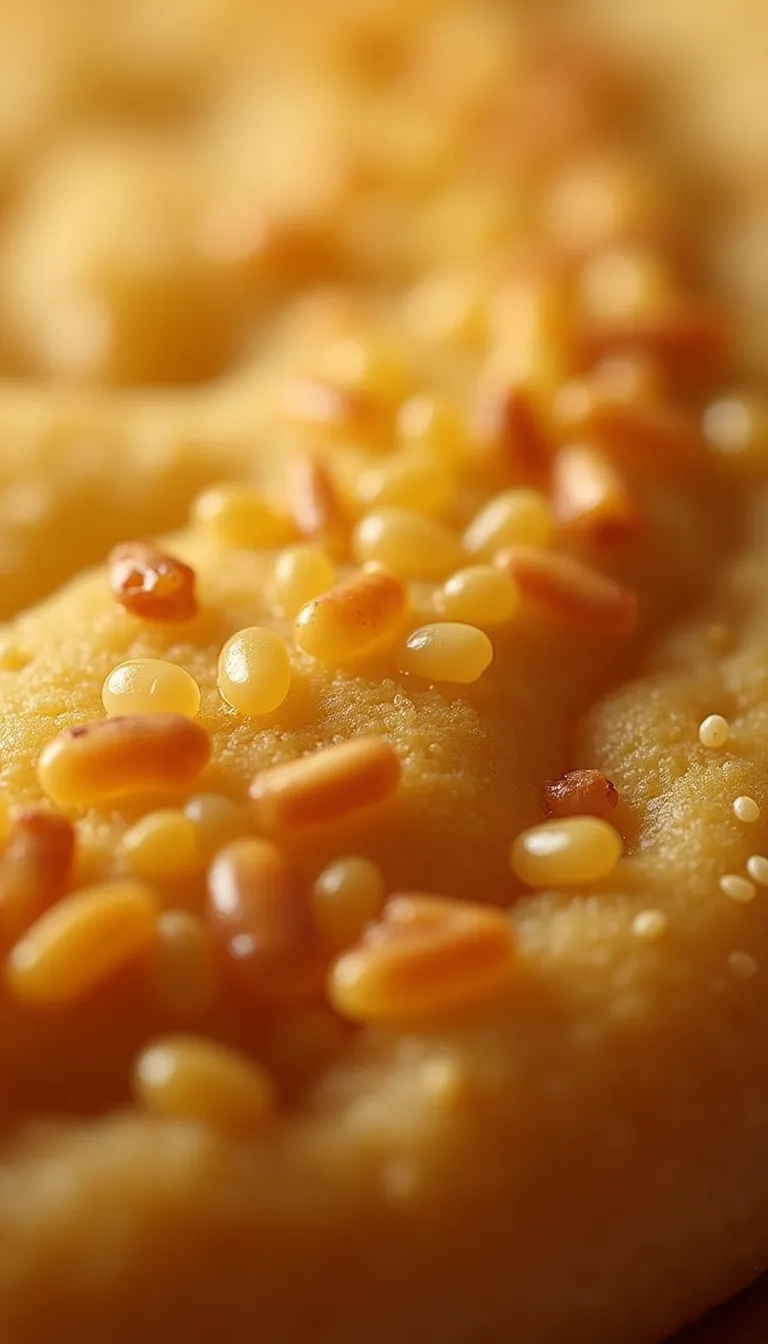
<point>757,867</point>
<point>737,888</point>
<point>714,731</point>
<point>580,793</point>
<point>746,809</point>
<point>650,925</point>
<point>152,584</point>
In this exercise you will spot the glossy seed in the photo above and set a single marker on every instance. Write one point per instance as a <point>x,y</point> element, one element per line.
<point>162,844</point>
<point>406,543</point>
<point>446,651</point>
<point>345,897</point>
<point>427,957</point>
<point>515,518</point>
<point>115,757</point>
<point>326,785</point>
<point>567,852</point>
<point>479,595</point>
<point>81,942</point>
<point>150,686</point>
<point>217,819</point>
<point>35,866</point>
<point>193,1078</point>
<point>351,618</point>
<point>260,916</point>
<point>254,673</point>
<point>572,592</point>
<point>300,573</point>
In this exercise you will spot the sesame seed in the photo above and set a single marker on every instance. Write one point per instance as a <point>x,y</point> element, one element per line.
<point>714,731</point>
<point>757,867</point>
<point>650,925</point>
<point>746,809</point>
<point>738,889</point>
<point>742,965</point>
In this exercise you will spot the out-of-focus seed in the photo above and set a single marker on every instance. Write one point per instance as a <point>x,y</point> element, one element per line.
<point>480,595</point>
<point>427,957</point>
<point>572,591</point>
<point>410,479</point>
<point>314,503</point>
<point>238,516</point>
<point>736,431</point>
<point>326,785</point>
<point>183,965</point>
<point>217,820</point>
<point>432,424</point>
<point>346,896</point>
<point>365,364</point>
<point>408,544</point>
<point>81,942</point>
<point>299,574</point>
<point>162,844</point>
<point>511,418</point>
<point>590,495</point>
<point>34,868</point>
<point>519,517</point>
<point>262,919</point>
<point>193,1078</point>
<point>114,757</point>
<point>318,404</point>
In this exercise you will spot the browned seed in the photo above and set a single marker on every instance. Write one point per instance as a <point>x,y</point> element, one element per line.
<point>662,435</point>
<point>580,793</point>
<point>311,402</point>
<point>34,868</point>
<point>314,503</point>
<point>590,495</point>
<point>260,915</point>
<point>352,617</point>
<point>572,591</point>
<point>152,584</point>
<point>509,419</point>
<point>690,340</point>
<point>325,785</point>
<point>126,754</point>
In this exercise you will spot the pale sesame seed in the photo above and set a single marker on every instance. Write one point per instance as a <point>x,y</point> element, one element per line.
<point>746,809</point>
<point>757,867</point>
<point>737,888</point>
<point>742,965</point>
<point>714,731</point>
<point>650,925</point>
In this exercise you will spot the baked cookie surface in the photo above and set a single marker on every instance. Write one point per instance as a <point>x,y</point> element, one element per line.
<point>384,852</point>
